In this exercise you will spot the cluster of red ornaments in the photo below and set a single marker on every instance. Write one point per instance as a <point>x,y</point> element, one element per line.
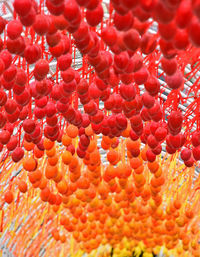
<point>116,55</point>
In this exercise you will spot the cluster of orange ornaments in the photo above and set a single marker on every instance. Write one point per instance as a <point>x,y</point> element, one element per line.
<point>110,145</point>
